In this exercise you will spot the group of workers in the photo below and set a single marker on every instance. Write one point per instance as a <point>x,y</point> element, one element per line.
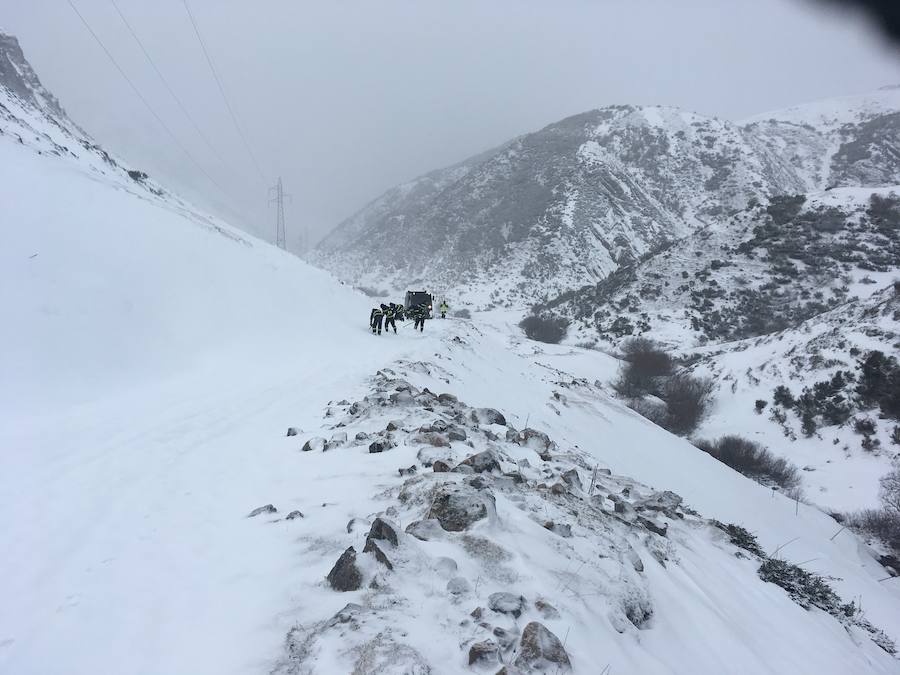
<point>387,315</point>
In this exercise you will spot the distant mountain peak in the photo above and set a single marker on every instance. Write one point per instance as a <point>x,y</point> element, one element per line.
<point>17,75</point>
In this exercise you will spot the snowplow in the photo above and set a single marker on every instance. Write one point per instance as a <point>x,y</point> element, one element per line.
<point>414,298</point>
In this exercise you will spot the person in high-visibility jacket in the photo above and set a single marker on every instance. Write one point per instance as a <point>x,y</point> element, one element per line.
<point>375,319</point>
<point>444,309</point>
<point>390,313</point>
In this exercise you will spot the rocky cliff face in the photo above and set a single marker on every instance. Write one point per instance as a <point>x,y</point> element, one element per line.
<point>17,75</point>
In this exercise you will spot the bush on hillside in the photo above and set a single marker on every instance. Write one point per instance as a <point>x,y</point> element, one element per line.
<point>687,400</point>
<point>753,460</point>
<point>462,314</point>
<point>645,363</point>
<point>545,328</point>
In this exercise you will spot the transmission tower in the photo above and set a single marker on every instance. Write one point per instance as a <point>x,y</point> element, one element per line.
<point>278,201</point>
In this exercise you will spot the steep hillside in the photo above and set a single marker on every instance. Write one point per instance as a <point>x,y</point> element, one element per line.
<point>570,204</point>
<point>203,478</point>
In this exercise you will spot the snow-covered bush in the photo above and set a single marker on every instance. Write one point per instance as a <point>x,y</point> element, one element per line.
<point>645,364</point>
<point>687,400</point>
<point>753,460</point>
<point>545,327</point>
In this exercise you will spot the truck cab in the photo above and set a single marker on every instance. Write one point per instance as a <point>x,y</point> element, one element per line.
<point>414,298</point>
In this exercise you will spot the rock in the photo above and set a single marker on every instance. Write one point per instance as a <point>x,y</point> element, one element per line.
<point>534,439</point>
<point>338,439</point>
<point>457,434</point>
<point>373,548</point>
<point>447,398</point>
<point>446,567</point>
<point>349,613</point>
<point>382,529</point>
<point>477,482</point>
<point>562,529</point>
<point>355,409</point>
<point>394,425</point>
<point>439,425</point>
<point>345,575</point>
<point>459,506</point>
<point>665,502</point>
<point>654,525</point>
<point>440,466</point>
<point>547,610</point>
<point>408,472</point>
<point>476,613</point>
<point>484,652</point>
<point>316,443</point>
<point>515,477</point>
<point>507,603</point>
<point>426,530</point>
<point>559,488</point>
<point>463,468</point>
<point>361,436</point>
<point>268,508</point>
<point>604,472</point>
<point>378,446</point>
<point>432,438</point>
<point>293,431</point>
<point>401,398</point>
<point>539,649</point>
<point>634,558</point>
<point>572,479</point>
<point>294,514</point>
<point>356,524</point>
<point>512,436</point>
<point>482,461</point>
<point>506,638</point>
<point>458,586</point>
<point>488,416</point>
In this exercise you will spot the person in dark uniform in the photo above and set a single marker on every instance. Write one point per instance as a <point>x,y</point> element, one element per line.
<point>390,314</point>
<point>375,319</point>
<point>419,313</point>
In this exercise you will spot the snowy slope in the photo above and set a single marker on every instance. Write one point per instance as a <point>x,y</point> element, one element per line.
<point>152,360</point>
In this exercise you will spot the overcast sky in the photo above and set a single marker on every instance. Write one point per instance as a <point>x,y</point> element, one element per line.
<point>345,99</point>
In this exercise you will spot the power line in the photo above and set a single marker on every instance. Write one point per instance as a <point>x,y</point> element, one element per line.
<point>171,91</point>
<point>222,89</point>
<point>141,97</point>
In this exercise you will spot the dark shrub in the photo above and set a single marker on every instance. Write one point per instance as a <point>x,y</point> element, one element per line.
<point>753,460</point>
<point>462,314</point>
<point>687,400</point>
<point>883,524</point>
<point>864,426</point>
<point>138,176</point>
<point>760,406</point>
<point>741,537</point>
<point>890,491</point>
<point>545,328</point>
<point>645,363</point>
<point>782,396</point>
<point>805,588</point>
<point>895,435</point>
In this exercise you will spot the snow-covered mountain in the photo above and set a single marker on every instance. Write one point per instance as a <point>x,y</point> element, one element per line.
<point>570,204</point>
<point>153,358</point>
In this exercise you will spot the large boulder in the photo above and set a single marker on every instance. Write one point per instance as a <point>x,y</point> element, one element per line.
<point>383,529</point>
<point>482,462</point>
<point>665,502</point>
<point>541,650</point>
<point>338,439</point>
<point>268,508</point>
<point>426,530</point>
<point>345,575</point>
<point>483,653</point>
<point>457,507</point>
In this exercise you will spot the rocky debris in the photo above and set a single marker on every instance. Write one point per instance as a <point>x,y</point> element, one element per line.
<point>293,515</point>
<point>447,398</point>
<point>484,652</point>
<point>634,558</point>
<point>432,438</point>
<point>477,613</point>
<point>316,443</point>
<point>478,482</point>
<point>547,610</point>
<point>345,575</point>
<point>505,638</point>
<point>539,649</point>
<point>338,439</point>
<point>665,502</point>
<point>268,508</point>
<point>426,530</point>
<point>292,431</point>
<point>507,603</point>
<point>457,434</point>
<point>376,550</point>
<point>572,479</point>
<point>361,436</point>
<point>482,462</point>
<point>488,416</point>
<point>440,466</point>
<point>394,425</point>
<point>515,476</point>
<point>428,454</point>
<point>458,586</point>
<point>463,468</point>
<point>402,398</point>
<point>382,529</point>
<point>382,655</point>
<point>439,426</point>
<point>533,439</point>
<point>559,488</point>
<point>378,446</point>
<point>562,529</point>
<point>407,472</point>
<point>654,525</point>
<point>457,507</point>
